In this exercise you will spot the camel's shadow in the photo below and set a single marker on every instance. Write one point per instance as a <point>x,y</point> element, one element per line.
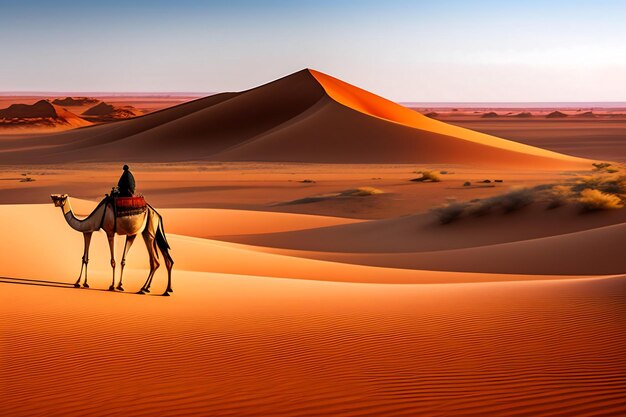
<point>37,282</point>
<point>54,284</point>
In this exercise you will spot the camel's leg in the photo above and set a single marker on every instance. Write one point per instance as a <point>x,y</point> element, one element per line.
<point>86,256</point>
<point>111,239</point>
<point>129,242</point>
<point>154,263</point>
<point>169,263</point>
<point>85,261</point>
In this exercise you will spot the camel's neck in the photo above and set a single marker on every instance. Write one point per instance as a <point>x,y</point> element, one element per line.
<point>89,224</point>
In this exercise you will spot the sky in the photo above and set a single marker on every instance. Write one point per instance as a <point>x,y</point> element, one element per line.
<point>428,51</point>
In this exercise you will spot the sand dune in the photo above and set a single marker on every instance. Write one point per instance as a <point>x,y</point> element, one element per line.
<point>423,233</point>
<point>208,223</point>
<point>542,256</point>
<point>249,345</point>
<point>191,254</point>
<point>253,331</point>
<point>305,117</point>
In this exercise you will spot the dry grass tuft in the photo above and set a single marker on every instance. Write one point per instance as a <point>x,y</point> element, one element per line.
<point>427,176</point>
<point>360,192</point>
<point>450,212</point>
<point>354,192</point>
<point>592,200</point>
<point>514,200</point>
<point>559,195</point>
<point>613,184</point>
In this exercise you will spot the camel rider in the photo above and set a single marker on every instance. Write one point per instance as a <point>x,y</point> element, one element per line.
<point>126,184</point>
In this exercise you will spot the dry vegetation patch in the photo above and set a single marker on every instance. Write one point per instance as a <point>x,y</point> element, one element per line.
<point>353,192</point>
<point>427,176</point>
<point>597,200</point>
<point>603,190</point>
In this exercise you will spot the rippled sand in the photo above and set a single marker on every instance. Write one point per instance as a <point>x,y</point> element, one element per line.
<point>235,345</point>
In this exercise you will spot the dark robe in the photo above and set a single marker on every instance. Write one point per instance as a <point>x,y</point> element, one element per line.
<point>126,184</point>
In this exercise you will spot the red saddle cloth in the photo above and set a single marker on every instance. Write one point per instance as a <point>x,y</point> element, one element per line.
<point>129,206</point>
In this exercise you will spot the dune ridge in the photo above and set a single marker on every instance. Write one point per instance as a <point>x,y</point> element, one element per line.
<point>371,104</point>
<point>540,256</point>
<point>423,233</point>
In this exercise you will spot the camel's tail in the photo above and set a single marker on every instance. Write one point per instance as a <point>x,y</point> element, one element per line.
<point>161,240</point>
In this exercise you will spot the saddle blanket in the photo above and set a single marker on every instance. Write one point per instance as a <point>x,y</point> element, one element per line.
<point>130,206</point>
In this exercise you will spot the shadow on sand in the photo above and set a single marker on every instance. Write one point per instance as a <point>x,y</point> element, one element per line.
<point>38,282</point>
<point>56,284</point>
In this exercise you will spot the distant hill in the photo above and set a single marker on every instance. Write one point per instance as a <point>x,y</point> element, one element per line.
<point>104,111</point>
<point>556,115</point>
<point>74,101</point>
<point>41,114</point>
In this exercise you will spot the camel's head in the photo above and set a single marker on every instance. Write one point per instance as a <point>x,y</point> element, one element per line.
<point>58,199</point>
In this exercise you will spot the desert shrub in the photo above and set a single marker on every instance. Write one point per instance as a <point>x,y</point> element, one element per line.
<point>611,184</point>
<point>427,176</point>
<point>355,192</point>
<point>479,207</point>
<point>514,200</point>
<point>558,196</point>
<point>591,199</point>
<point>450,212</point>
<point>555,195</point>
<point>517,199</point>
<point>360,192</point>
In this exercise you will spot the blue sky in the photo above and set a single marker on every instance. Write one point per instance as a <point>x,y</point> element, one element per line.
<point>444,50</point>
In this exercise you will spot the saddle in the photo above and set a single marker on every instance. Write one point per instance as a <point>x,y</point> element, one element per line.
<point>129,206</point>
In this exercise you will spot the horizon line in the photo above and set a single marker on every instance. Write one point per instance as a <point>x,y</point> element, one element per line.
<point>36,93</point>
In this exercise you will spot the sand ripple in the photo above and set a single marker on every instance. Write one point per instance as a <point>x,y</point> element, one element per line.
<point>312,348</point>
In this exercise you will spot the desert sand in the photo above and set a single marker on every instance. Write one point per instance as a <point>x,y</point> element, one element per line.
<point>594,132</point>
<point>296,295</point>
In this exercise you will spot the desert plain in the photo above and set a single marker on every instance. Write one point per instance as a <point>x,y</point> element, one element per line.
<point>335,254</point>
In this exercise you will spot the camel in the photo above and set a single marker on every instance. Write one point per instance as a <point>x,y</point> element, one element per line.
<point>149,224</point>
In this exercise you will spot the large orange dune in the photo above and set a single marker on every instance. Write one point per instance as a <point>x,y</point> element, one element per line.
<point>304,117</point>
